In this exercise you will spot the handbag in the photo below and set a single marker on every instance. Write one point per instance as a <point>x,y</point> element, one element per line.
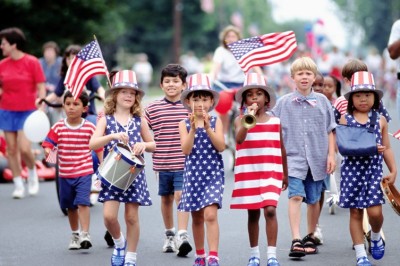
<point>357,141</point>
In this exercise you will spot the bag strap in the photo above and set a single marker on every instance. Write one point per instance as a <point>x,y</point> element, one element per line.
<point>373,122</point>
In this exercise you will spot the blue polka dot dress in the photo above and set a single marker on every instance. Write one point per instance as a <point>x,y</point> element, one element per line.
<point>361,176</point>
<point>203,178</point>
<point>138,191</point>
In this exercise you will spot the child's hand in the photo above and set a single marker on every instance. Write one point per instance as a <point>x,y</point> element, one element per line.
<point>121,136</point>
<point>192,119</point>
<point>390,178</point>
<point>252,108</point>
<point>46,152</point>
<point>381,148</point>
<point>206,118</point>
<point>139,148</point>
<point>285,183</point>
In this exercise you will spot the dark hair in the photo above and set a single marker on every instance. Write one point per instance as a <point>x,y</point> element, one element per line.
<point>84,97</point>
<point>200,93</point>
<point>352,66</point>
<point>14,36</point>
<point>51,44</point>
<point>174,70</point>
<point>71,49</point>
<point>244,97</point>
<point>350,105</point>
<point>338,85</point>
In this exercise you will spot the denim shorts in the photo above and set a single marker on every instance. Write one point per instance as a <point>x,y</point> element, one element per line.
<point>13,120</point>
<point>309,189</point>
<point>169,182</point>
<point>75,191</point>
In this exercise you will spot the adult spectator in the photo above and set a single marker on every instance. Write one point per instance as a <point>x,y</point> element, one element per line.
<point>144,71</point>
<point>22,80</point>
<point>394,52</point>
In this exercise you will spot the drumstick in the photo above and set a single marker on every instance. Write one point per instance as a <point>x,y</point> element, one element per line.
<point>193,113</point>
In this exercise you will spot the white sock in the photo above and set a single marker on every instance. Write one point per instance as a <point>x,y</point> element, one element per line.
<point>271,252</point>
<point>18,182</point>
<point>130,257</point>
<point>75,232</point>
<point>172,230</point>
<point>180,232</point>
<point>120,242</point>
<point>375,236</point>
<point>255,252</point>
<point>32,173</point>
<point>360,251</point>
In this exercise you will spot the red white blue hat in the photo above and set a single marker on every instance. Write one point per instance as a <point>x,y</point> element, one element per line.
<point>363,81</point>
<point>256,81</point>
<point>199,82</point>
<point>124,79</point>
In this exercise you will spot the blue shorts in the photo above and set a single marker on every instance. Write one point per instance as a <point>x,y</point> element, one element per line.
<point>169,182</point>
<point>75,191</point>
<point>13,120</point>
<point>309,189</point>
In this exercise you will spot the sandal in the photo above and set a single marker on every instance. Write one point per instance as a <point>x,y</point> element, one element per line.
<point>377,251</point>
<point>311,244</point>
<point>297,249</point>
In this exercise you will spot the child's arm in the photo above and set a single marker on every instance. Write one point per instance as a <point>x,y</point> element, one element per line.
<point>331,162</point>
<point>284,163</point>
<point>187,138</point>
<point>388,155</point>
<point>99,140</point>
<point>217,136</point>
<point>148,143</point>
<point>241,131</point>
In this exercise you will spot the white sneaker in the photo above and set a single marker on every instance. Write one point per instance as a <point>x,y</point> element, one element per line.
<point>19,192</point>
<point>85,241</point>
<point>33,185</point>
<point>183,245</point>
<point>169,242</point>
<point>74,244</point>
<point>318,235</point>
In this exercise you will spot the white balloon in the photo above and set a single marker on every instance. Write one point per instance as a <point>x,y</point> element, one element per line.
<point>36,126</point>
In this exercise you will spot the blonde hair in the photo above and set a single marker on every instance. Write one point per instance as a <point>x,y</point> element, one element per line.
<point>225,32</point>
<point>110,104</point>
<point>303,63</point>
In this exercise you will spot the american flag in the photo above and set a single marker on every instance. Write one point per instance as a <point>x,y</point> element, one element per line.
<point>52,157</point>
<point>397,135</point>
<point>86,64</point>
<point>264,50</point>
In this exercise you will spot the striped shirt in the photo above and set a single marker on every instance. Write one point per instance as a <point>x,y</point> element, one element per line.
<point>305,131</point>
<point>163,117</point>
<point>258,167</point>
<point>74,155</point>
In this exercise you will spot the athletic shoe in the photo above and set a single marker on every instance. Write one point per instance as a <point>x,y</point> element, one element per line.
<point>118,256</point>
<point>85,241</point>
<point>254,261</point>
<point>273,262</point>
<point>318,235</point>
<point>130,264</point>
<point>19,193</point>
<point>74,244</point>
<point>200,262</point>
<point>33,184</point>
<point>169,242</point>
<point>212,261</point>
<point>363,261</point>
<point>183,245</point>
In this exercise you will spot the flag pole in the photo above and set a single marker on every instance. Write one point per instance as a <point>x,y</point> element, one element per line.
<point>102,58</point>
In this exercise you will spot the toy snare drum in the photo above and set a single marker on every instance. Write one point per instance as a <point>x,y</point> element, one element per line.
<point>120,168</point>
<point>392,195</point>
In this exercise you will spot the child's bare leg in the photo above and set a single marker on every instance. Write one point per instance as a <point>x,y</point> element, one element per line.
<point>132,225</point>
<point>271,225</point>
<point>84,217</point>
<point>183,217</point>
<point>356,230</point>
<point>73,219</point>
<point>253,226</point>
<point>211,220</point>
<point>110,214</point>
<point>167,203</point>
<point>375,218</point>
<point>198,229</point>
<point>295,215</point>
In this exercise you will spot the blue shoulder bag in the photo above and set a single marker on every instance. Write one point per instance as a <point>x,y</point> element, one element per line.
<point>357,141</point>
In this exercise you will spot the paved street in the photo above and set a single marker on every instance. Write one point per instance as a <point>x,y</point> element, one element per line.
<point>33,231</point>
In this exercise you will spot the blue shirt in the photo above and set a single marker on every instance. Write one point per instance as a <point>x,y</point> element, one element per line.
<point>305,130</point>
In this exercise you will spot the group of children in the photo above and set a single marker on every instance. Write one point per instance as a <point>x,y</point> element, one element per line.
<point>291,146</point>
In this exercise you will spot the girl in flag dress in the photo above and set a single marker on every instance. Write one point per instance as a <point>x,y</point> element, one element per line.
<point>202,141</point>
<point>260,168</point>
<point>123,122</point>
<point>361,176</point>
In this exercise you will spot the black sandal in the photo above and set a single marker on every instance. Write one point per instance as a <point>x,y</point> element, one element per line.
<point>310,243</point>
<point>297,249</point>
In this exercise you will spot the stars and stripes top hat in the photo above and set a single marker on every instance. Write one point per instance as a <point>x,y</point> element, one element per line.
<point>124,79</point>
<point>199,82</point>
<point>256,81</point>
<point>363,81</point>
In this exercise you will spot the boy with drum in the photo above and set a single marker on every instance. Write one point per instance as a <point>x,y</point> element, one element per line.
<point>70,136</point>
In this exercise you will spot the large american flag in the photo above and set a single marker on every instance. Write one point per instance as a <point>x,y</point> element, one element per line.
<point>264,50</point>
<point>86,64</point>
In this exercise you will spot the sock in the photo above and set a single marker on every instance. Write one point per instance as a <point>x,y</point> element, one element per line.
<point>170,230</point>
<point>32,172</point>
<point>255,252</point>
<point>200,253</point>
<point>130,257</point>
<point>214,254</point>
<point>75,232</point>
<point>18,182</point>
<point>360,251</point>
<point>120,242</point>
<point>180,232</point>
<point>375,236</point>
<point>271,252</point>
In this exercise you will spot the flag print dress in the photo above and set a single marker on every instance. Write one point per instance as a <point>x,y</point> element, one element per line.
<point>258,167</point>
<point>203,177</point>
<point>361,176</point>
<point>138,191</point>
